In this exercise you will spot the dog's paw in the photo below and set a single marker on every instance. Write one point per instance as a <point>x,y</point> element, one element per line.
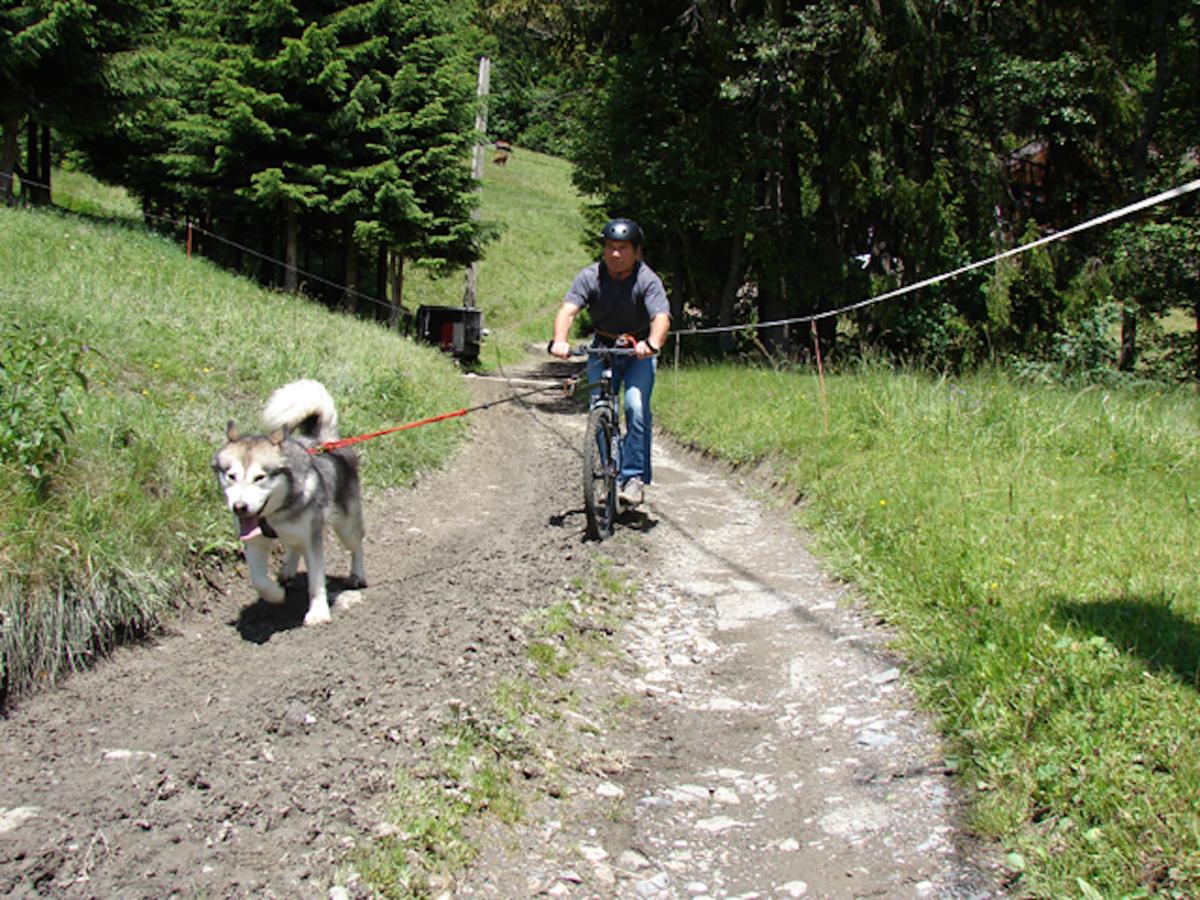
<point>318,617</point>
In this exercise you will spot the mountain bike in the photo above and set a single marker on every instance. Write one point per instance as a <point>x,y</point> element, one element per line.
<point>602,444</point>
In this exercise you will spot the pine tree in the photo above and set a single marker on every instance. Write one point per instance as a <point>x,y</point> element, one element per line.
<point>56,71</point>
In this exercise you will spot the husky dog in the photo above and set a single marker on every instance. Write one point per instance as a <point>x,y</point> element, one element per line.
<point>276,488</point>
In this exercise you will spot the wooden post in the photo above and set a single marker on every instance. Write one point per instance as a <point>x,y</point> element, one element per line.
<point>485,73</point>
<point>820,374</point>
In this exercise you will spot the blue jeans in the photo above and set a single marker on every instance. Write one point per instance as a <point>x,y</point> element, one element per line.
<point>636,376</point>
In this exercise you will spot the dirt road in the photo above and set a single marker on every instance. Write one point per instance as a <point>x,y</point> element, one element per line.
<point>759,739</point>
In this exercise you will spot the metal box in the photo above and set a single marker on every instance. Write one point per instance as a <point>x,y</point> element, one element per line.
<point>457,330</point>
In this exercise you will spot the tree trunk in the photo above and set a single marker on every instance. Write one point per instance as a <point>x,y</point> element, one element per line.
<point>1197,340</point>
<point>32,189</point>
<point>239,240</point>
<point>381,280</point>
<point>8,154</point>
<point>1141,157</point>
<point>291,278</point>
<point>37,164</point>
<point>733,280</point>
<point>396,273</point>
<point>350,269</point>
<point>45,164</point>
<point>469,285</point>
<point>1128,355</point>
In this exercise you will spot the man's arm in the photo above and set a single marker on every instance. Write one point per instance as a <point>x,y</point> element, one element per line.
<point>562,330</point>
<point>660,327</point>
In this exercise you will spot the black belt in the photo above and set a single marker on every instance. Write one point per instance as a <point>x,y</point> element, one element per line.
<point>609,338</point>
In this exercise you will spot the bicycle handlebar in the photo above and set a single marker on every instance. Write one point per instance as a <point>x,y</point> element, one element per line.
<point>588,350</point>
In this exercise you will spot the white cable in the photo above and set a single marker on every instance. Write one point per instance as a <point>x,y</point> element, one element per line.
<point>1057,236</point>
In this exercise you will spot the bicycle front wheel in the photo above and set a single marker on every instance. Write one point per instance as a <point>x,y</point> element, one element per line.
<point>600,464</point>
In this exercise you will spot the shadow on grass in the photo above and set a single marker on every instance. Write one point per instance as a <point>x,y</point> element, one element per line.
<point>1142,626</point>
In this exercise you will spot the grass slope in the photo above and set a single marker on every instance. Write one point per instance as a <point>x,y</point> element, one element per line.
<point>1034,548</point>
<point>175,348</point>
<point>528,269</point>
<point>1031,545</point>
<point>95,550</point>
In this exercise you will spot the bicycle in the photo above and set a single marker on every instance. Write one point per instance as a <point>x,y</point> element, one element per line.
<point>602,444</point>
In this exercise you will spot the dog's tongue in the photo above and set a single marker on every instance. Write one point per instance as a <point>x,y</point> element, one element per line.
<point>248,527</point>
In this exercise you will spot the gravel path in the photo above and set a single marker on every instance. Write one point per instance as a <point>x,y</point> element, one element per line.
<point>748,736</point>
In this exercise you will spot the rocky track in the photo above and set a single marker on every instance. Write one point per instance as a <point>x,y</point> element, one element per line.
<point>757,738</point>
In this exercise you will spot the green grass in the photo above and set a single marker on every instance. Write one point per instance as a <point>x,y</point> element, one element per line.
<point>473,772</point>
<point>528,269</point>
<point>1032,547</point>
<point>520,281</point>
<point>175,348</point>
<point>80,193</point>
<point>1035,549</point>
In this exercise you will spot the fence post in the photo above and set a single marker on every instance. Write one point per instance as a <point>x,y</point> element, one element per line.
<point>820,374</point>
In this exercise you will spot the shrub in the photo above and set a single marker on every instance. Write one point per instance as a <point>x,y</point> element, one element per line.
<point>36,372</point>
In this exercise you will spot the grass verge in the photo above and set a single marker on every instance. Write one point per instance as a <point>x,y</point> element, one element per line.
<point>1033,545</point>
<point>93,549</point>
<point>97,541</point>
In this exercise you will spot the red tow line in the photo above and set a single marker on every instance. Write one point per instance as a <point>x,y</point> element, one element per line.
<point>359,438</point>
<point>567,388</point>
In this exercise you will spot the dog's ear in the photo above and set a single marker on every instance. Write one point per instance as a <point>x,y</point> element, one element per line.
<point>280,435</point>
<point>231,431</point>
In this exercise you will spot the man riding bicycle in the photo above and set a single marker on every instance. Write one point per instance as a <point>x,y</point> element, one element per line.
<point>624,297</point>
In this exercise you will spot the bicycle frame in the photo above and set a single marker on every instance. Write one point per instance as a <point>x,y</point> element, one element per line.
<point>602,444</point>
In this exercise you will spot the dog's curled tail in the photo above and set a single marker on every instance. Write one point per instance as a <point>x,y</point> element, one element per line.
<point>302,406</point>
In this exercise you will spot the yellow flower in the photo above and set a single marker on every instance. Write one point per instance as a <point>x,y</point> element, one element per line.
<point>883,503</point>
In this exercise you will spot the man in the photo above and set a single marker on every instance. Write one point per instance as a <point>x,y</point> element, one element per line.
<point>624,297</point>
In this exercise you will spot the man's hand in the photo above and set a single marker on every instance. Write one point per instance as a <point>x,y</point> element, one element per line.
<point>561,349</point>
<point>643,350</point>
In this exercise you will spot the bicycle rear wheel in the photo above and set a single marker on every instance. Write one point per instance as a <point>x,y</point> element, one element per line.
<point>600,464</point>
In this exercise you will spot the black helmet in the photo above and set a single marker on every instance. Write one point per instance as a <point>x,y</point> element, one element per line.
<point>622,230</point>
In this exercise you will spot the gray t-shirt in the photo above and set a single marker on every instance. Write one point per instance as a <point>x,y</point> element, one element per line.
<point>620,307</point>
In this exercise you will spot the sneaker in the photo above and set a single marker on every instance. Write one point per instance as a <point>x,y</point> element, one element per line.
<point>632,492</point>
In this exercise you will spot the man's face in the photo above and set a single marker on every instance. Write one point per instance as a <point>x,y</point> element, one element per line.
<point>619,257</point>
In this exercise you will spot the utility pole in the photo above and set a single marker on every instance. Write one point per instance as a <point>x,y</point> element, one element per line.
<point>485,74</point>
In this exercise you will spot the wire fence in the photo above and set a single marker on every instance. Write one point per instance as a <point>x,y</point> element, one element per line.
<point>1175,193</point>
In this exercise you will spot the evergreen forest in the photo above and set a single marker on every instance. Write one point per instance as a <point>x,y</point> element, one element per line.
<point>785,159</point>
